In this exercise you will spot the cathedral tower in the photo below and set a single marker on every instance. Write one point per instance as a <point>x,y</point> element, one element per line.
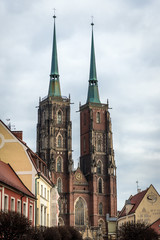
<point>97,155</point>
<point>54,131</point>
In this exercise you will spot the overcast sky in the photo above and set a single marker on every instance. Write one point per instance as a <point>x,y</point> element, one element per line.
<point>127,47</point>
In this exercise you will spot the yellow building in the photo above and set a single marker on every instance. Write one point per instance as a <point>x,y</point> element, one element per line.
<point>142,207</point>
<point>33,172</point>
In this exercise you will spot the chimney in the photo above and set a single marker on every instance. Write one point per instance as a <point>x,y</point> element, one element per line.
<point>18,134</point>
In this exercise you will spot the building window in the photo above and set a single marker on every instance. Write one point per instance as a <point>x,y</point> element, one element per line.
<point>45,215</point>
<point>30,212</point>
<point>100,185</point>
<point>98,117</point>
<point>19,206</point>
<point>24,209</point>
<point>59,145</point>
<point>79,212</point>
<point>41,215</point>
<point>99,145</point>
<point>100,209</point>
<point>59,185</point>
<point>6,203</point>
<point>99,167</point>
<point>59,165</point>
<point>12,204</point>
<point>45,192</point>
<point>59,117</point>
<point>38,188</point>
<point>42,190</point>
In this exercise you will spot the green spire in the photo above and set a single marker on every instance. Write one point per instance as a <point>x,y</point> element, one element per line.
<point>54,86</point>
<point>93,94</point>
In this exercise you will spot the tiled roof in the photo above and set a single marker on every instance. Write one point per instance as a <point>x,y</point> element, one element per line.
<point>135,201</point>
<point>10,178</point>
<point>156,226</point>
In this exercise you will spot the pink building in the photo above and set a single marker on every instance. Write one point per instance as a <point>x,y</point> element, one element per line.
<point>14,195</point>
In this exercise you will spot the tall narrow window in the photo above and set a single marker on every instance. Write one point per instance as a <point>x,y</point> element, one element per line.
<point>100,185</point>
<point>99,146</point>
<point>100,210</point>
<point>24,209</point>
<point>59,165</point>
<point>79,212</point>
<point>12,204</point>
<point>59,141</point>
<point>19,206</point>
<point>59,185</point>
<point>5,203</point>
<point>30,212</point>
<point>99,167</point>
<point>98,117</point>
<point>59,117</point>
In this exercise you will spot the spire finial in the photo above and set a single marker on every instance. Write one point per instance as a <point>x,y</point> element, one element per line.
<point>54,16</point>
<point>92,24</point>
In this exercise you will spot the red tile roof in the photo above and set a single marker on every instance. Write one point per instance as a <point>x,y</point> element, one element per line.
<point>135,201</point>
<point>11,179</point>
<point>156,226</point>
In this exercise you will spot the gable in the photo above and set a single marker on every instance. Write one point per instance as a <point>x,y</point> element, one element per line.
<point>79,178</point>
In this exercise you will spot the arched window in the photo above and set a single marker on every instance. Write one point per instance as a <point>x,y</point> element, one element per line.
<point>59,117</point>
<point>100,208</point>
<point>100,185</point>
<point>59,141</point>
<point>98,117</point>
<point>99,167</point>
<point>79,212</point>
<point>59,165</point>
<point>59,185</point>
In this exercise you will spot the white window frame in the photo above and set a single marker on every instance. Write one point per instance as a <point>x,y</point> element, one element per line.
<point>6,197</point>
<point>25,204</point>
<point>19,202</point>
<point>41,190</point>
<point>13,201</point>
<point>31,212</point>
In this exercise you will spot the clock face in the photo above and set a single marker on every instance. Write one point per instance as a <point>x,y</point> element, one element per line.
<point>151,197</point>
<point>78,176</point>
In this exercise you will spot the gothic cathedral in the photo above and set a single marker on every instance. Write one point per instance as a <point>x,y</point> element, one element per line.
<point>88,194</point>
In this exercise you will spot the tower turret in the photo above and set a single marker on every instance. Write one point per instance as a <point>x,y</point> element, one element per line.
<point>93,94</point>
<point>54,86</point>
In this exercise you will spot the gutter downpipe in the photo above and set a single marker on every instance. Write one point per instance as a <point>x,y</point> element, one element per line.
<point>39,174</point>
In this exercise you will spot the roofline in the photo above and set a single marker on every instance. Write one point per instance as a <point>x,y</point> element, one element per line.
<point>16,190</point>
<point>21,181</point>
<point>128,215</point>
